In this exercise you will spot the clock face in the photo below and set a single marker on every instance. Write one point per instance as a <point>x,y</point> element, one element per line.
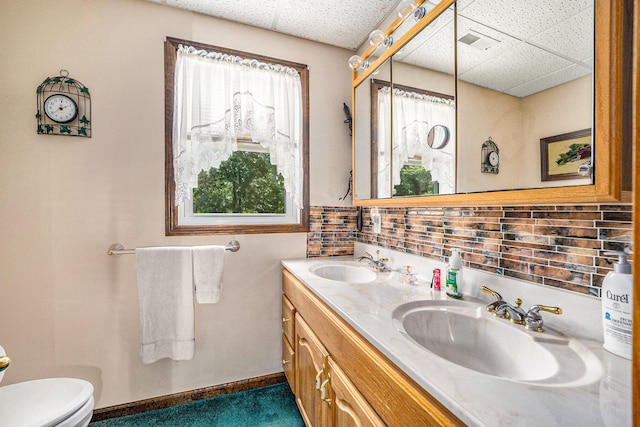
<point>494,158</point>
<point>60,108</point>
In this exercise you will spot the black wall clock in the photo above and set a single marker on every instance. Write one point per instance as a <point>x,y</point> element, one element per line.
<point>64,107</point>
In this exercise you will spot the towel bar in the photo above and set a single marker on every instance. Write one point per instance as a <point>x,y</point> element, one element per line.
<point>118,249</point>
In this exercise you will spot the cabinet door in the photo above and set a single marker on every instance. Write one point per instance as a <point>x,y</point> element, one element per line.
<point>310,365</point>
<point>348,406</point>
<point>288,362</point>
<point>288,312</point>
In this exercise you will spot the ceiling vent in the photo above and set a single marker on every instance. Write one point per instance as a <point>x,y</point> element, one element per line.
<point>478,40</point>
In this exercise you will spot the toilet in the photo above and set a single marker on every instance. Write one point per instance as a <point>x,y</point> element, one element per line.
<point>59,402</point>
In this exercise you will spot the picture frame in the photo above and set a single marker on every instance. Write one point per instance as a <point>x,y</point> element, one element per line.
<point>562,155</point>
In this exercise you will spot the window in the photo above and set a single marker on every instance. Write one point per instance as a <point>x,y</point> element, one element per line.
<point>236,142</point>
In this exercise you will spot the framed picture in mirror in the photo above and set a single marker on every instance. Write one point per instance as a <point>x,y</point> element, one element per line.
<point>566,156</point>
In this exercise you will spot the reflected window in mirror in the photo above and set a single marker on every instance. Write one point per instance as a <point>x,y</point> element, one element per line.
<point>420,161</point>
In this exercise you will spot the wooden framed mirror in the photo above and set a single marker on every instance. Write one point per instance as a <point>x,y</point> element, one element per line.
<point>611,31</point>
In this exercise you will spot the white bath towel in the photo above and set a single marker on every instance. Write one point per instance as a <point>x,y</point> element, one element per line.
<point>165,296</point>
<point>208,267</point>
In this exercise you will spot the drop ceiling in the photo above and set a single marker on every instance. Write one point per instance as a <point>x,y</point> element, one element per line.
<point>533,45</point>
<point>342,23</point>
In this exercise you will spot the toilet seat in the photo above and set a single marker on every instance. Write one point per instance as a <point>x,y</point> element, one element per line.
<point>47,402</point>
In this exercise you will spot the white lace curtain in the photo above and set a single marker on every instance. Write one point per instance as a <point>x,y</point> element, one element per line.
<point>220,98</point>
<point>413,115</point>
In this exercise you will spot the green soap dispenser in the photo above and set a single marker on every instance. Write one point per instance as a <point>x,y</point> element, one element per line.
<point>617,306</point>
<point>453,281</point>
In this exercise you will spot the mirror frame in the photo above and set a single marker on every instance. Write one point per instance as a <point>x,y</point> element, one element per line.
<point>608,124</point>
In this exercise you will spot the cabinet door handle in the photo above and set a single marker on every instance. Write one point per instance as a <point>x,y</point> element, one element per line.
<point>284,362</point>
<point>323,391</point>
<point>318,379</point>
<point>285,320</point>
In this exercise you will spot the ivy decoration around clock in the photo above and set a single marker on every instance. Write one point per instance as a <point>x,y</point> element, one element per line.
<point>489,157</point>
<point>63,107</point>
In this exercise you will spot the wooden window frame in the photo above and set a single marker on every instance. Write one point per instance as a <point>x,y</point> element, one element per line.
<point>172,228</point>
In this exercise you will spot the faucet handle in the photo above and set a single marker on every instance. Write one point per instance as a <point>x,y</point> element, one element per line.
<point>554,310</point>
<point>496,295</point>
<point>533,319</point>
<point>496,307</point>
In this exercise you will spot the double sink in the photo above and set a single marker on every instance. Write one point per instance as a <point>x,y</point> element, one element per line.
<point>463,333</point>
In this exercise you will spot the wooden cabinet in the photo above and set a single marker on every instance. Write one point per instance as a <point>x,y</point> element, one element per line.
<point>311,373</point>
<point>341,380</point>
<point>348,406</point>
<point>288,362</point>
<point>324,394</point>
<point>288,354</point>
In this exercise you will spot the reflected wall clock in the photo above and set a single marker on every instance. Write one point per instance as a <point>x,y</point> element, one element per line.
<point>489,157</point>
<point>63,107</point>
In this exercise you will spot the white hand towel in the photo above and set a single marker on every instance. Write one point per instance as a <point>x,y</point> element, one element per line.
<point>208,267</point>
<point>165,296</point>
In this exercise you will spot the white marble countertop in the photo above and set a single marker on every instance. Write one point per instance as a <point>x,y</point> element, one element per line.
<point>476,398</point>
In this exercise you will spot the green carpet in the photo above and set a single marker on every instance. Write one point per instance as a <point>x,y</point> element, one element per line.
<point>272,406</point>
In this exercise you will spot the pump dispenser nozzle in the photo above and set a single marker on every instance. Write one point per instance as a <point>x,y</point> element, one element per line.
<point>622,266</point>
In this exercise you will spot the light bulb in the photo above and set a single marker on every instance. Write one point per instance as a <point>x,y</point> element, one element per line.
<point>355,62</point>
<point>377,38</point>
<point>405,9</point>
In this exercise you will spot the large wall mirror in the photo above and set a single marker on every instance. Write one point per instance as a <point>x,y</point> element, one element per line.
<point>513,89</point>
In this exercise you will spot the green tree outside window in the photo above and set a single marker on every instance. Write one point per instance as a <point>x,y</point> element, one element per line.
<point>245,183</point>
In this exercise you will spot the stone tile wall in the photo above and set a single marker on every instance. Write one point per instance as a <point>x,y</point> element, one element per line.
<point>332,231</point>
<point>561,246</point>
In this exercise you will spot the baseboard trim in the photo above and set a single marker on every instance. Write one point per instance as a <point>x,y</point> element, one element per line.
<point>185,397</point>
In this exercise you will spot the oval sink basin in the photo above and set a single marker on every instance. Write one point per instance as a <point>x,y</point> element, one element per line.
<point>465,334</point>
<point>343,273</point>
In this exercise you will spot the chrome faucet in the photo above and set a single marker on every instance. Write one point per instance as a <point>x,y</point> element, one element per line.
<point>378,264</point>
<point>498,303</point>
<point>516,313</point>
<point>531,319</point>
<point>501,308</point>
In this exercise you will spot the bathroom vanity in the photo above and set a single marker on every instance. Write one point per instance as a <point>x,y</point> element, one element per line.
<point>351,357</point>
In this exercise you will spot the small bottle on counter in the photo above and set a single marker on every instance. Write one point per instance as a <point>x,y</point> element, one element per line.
<point>435,281</point>
<point>454,275</point>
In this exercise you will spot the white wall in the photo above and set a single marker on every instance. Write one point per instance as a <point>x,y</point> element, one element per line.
<point>516,125</point>
<point>68,309</point>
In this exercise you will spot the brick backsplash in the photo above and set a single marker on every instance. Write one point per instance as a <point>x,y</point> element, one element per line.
<point>332,231</point>
<point>561,246</point>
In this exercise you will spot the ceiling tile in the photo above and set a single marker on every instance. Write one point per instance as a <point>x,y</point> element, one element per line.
<point>258,13</point>
<point>336,22</point>
<point>432,49</point>
<point>343,23</point>
<point>548,81</point>
<point>514,67</point>
<point>523,18</point>
<point>572,38</point>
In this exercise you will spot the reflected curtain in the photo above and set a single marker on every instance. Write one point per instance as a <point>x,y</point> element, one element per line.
<point>414,114</point>
<point>220,98</point>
